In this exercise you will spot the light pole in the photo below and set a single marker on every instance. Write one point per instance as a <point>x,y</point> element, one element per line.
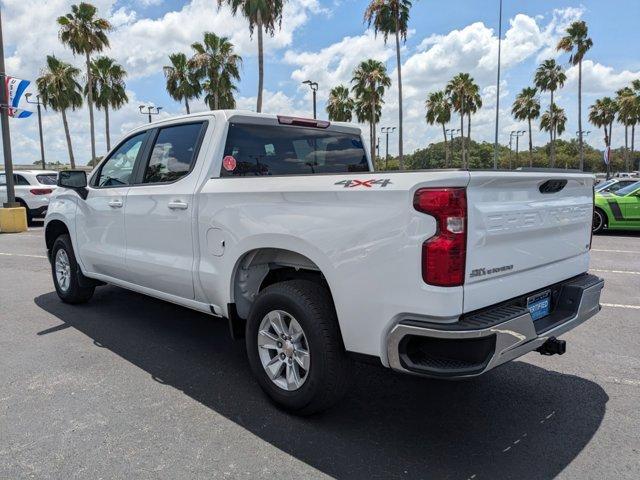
<point>6,137</point>
<point>39,104</point>
<point>387,131</point>
<point>517,134</point>
<point>495,146</point>
<point>150,110</point>
<point>314,89</point>
<point>581,140</point>
<point>451,131</point>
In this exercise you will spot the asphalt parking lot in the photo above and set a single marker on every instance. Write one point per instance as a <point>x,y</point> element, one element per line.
<point>131,387</point>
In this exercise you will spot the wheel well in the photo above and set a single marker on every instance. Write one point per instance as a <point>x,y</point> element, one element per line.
<point>604,214</point>
<point>263,267</point>
<point>55,228</point>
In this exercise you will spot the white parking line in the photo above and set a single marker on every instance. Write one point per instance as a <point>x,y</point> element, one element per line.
<point>22,255</point>
<point>615,271</point>
<point>620,305</point>
<point>614,251</point>
<point>623,381</point>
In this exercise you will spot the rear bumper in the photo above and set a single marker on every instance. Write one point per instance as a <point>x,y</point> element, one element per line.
<point>490,337</point>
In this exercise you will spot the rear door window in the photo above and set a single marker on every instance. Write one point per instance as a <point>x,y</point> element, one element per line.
<point>47,178</point>
<point>174,153</point>
<point>20,180</point>
<point>257,150</point>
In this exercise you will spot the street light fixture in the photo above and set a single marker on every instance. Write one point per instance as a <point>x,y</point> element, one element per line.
<point>39,104</point>
<point>150,110</point>
<point>314,89</point>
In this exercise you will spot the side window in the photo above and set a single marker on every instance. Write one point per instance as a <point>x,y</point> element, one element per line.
<point>173,154</point>
<point>117,170</point>
<point>3,180</point>
<point>20,180</point>
<point>281,150</point>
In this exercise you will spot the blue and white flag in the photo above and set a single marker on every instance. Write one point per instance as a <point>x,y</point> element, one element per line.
<point>606,157</point>
<point>19,113</point>
<point>14,87</point>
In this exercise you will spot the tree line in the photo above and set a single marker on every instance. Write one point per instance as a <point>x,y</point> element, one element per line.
<point>213,69</point>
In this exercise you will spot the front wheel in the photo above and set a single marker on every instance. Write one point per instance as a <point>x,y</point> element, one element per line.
<point>67,274</point>
<point>294,346</point>
<point>599,220</point>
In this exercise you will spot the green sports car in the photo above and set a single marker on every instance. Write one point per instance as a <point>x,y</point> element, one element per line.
<point>619,210</point>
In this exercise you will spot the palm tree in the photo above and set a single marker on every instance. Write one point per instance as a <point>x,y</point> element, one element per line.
<point>472,104</point>
<point>392,17</point>
<point>182,81</point>
<point>577,42</point>
<point>602,114</point>
<point>548,78</point>
<point>461,89</point>
<point>362,109</point>
<point>59,89</point>
<point>221,97</point>
<point>108,88</point>
<point>263,15</point>
<point>216,60</point>
<point>627,111</point>
<point>438,108</point>
<point>340,105</point>
<point>554,120</point>
<point>369,82</point>
<point>527,107</point>
<point>85,34</point>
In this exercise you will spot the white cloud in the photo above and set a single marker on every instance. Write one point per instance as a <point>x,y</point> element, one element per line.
<point>599,79</point>
<point>140,44</point>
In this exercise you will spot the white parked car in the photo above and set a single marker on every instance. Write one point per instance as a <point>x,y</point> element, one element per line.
<point>33,188</point>
<point>281,226</point>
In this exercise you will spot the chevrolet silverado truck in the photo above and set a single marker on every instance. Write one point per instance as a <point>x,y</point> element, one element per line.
<point>281,226</point>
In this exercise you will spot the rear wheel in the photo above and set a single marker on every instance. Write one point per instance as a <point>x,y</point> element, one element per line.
<point>67,276</point>
<point>294,346</point>
<point>599,220</point>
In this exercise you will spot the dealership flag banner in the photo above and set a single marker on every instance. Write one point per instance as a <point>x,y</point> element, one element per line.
<point>607,155</point>
<point>15,87</point>
<point>19,113</point>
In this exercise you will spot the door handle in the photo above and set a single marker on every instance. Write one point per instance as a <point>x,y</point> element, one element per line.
<point>115,203</point>
<point>178,205</point>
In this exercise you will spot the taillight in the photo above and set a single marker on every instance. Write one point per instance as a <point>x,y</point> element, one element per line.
<point>444,254</point>
<point>41,191</point>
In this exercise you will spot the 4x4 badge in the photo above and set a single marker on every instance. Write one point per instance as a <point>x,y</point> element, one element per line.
<point>381,182</point>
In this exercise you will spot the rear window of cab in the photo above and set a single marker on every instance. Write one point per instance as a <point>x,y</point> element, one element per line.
<point>263,150</point>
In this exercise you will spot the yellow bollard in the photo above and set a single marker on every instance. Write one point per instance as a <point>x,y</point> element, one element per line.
<point>13,220</point>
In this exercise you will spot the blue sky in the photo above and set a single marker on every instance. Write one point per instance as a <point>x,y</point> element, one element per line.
<point>324,40</point>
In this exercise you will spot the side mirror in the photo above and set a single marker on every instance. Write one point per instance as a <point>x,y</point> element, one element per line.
<point>74,180</point>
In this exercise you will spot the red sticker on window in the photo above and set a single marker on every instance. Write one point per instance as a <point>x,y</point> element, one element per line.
<point>229,163</point>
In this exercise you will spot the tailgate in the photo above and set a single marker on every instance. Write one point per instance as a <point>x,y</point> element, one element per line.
<point>526,230</point>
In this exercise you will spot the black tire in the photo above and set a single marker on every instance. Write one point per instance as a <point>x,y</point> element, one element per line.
<point>328,376</point>
<point>599,220</point>
<point>79,289</point>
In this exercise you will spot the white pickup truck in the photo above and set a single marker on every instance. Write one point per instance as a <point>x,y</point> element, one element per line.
<point>281,226</point>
